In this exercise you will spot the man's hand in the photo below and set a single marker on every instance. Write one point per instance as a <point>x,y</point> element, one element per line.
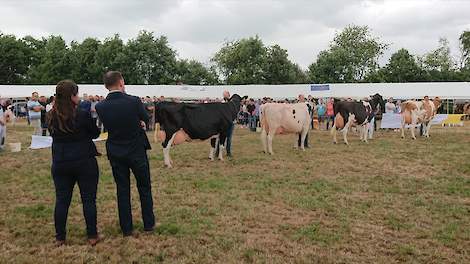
<point>142,125</point>
<point>2,123</point>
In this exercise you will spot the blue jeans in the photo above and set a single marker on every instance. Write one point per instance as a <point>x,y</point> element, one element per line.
<point>253,122</point>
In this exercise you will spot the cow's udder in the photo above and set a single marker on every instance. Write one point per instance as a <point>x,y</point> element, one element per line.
<point>181,137</point>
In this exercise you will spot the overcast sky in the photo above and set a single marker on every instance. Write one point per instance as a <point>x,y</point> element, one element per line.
<point>198,28</point>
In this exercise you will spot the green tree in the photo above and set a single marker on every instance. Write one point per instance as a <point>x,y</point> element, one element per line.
<point>110,56</point>
<point>14,59</point>
<point>352,55</point>
<point>402,67</point>
<point>54,64</point>
<point>438,64</point>
<point>242,61</point>
<point>84,63</point>
<point>278,69</point>
<point>149,60</point>
<point>465,55</point>
<point>194,73</point>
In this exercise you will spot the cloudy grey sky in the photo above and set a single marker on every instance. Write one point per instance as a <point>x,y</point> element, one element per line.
<point>198,28</point>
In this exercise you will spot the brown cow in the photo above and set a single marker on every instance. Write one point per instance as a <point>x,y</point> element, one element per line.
<point>419,112</point>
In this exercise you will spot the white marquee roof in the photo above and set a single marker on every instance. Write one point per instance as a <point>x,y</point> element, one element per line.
<point>445,90</point>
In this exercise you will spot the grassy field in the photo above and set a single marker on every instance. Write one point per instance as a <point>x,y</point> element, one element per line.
<point>391,200</point>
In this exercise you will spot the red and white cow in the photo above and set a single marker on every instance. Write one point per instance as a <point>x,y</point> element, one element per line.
<point>419,112</point>
<point>279,118</point>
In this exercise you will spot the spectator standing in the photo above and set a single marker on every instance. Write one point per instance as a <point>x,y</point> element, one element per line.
<point>257,109</point>
<point>390,106</point>
<point>150,108</point>
<point>73,160</point>
<point>398,107</point>
<point>3,129</point>
<point>94,115</point>
<point>330,113</point>
<point>321,112</point>
<point>124,116</point>
<point>34,113</point>
<point>50,105</point>
<point>43,102</point>
<point>301,99</point>
<point>228,141</point>
<point>85,103</point>
<point>251,114</point>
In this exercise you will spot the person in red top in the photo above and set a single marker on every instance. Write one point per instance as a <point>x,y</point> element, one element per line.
<point>330,113</point>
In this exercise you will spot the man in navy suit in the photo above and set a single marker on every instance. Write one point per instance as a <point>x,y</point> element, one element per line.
<point>124,118</point>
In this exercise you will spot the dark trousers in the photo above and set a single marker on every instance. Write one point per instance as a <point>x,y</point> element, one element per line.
<point>300,140</point>
<point>228,142</point>
<point>228,145</point>
<point>121,171</point>
<point>65,175</point>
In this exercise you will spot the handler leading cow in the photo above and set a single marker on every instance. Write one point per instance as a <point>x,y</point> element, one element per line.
<point>182,122</point>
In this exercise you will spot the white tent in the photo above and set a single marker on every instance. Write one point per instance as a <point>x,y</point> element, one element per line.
<point>445,90</point>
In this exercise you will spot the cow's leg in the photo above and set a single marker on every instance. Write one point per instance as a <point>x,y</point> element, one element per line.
<point>222,138</point>
<point>333,132</point>
<point>414,122</point>
<point>346,128</point>
<point>214,143</point>
<point>366,132</point>
<point>271,133</point>
<point>363,132</point>
<point>402,127</point>
<point>166,149</point>
<point>303,135</point>
<point>428,127</point>
<point>264,138</point>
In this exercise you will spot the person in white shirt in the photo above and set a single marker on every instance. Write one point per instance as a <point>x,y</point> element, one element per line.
<point>390,106</point>
<point>34,112</point>
<point>50,104</point>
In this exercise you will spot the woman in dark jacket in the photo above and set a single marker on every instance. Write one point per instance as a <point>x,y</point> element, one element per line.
<point>73,159</point>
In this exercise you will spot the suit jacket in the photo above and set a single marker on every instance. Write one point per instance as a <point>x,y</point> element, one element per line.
<point>121,115</point>
<point>77,145</point>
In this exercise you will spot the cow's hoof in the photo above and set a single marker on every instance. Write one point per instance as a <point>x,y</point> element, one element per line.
<point>168,166</point>
<point>413,138</point>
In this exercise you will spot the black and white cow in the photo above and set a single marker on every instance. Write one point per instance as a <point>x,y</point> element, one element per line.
<point>351,113</point>
<point>182,122</point>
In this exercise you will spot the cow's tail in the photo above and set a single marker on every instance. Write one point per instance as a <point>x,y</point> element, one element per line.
<point>155,134</point>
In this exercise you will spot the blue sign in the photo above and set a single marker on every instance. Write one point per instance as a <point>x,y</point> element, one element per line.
<point>319,87</point>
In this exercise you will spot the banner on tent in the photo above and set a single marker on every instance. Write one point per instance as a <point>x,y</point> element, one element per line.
<point>392,120</point>
<point>322,87</point>
<point>40,142</point>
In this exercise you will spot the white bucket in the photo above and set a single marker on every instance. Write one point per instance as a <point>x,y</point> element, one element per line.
<point>15,147</point>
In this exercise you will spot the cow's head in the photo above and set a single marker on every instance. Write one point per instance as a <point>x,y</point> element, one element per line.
<point>437,103</point>
<point>377,100</point>
<point>237,98</point>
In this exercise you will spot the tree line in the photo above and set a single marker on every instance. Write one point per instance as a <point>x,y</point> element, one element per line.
<point>352,56</point>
